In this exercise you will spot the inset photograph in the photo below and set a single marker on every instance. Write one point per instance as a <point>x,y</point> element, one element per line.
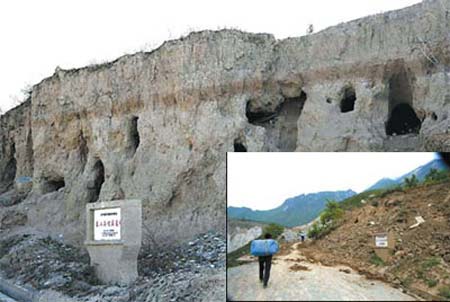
<point>338,226</point>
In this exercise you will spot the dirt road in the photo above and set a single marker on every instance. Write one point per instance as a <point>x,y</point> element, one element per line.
<point>294,278</point>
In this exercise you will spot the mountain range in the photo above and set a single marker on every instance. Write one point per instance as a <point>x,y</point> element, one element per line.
<point>304,208</point>
<point>420,173</point>
<point>294,211</point>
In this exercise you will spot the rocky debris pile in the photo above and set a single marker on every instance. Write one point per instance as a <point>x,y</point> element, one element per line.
<point>11,198</point>
<point>12,218</point>
<point>45,263</point>
<point>194,270</point>
<point>207,250</point>
<point>191,271</point>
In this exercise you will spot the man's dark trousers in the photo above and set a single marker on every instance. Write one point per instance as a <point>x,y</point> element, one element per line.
<point>265,262</point>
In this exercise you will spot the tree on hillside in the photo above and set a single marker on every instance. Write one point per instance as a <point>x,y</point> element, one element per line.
<point>274,229</point>
<point>436,176</point>
<point>432,175</point>
<point>329,220</point>
<point>332,212</point>
<point>411,182</point>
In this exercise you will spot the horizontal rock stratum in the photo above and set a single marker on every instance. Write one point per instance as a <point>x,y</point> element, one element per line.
<point>157,126</point>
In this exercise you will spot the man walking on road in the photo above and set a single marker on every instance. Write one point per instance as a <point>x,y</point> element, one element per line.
<point>265,262</point>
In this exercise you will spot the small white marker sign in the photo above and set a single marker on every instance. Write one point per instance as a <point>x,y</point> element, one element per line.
<point>107,224</point>
<point>381,240</point>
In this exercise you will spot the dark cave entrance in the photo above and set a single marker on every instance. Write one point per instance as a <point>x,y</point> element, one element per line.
<point>280,122</point>
<point>55,184</point>
<point>10,171</point>
<point>95,186</point>
<point>239,147</point>
<point>291,110</point>
<point>84,150</point>
<point>9,174</point>
<point>258,117</point>
<point>348,100</point>
<point>134,134</point>
<point>402,118</point>
<point>52,184</point>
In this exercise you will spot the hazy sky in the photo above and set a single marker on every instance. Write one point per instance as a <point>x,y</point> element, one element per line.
<point>37,36</point>
<point>264,180</point>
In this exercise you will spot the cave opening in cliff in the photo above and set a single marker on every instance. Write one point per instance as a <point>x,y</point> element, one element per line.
<point>52,183</point>
<point>239,147</point>
<point>348,99</point>
<point>403,120</point>
<point>55,184</point>
<point>10,171</point>
<point>8,175</point>
<point>281,121</point>
<point>290,113</point>
<point>400,91</point>
<point>134,134</point>
<point>84,150</point>
<point>95,185</point>
<point>258,116</point>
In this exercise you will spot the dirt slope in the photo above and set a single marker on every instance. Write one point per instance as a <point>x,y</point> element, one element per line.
<point>421,258</point>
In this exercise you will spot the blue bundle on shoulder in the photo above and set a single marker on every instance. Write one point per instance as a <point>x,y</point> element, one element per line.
<point>264,247</point>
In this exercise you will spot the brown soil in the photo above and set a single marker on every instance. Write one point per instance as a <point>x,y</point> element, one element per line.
<point>293,259</point>
<point>420,260</point>
<point>297,267</point>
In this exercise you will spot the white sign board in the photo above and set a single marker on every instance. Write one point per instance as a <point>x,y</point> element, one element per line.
<point>107,224</point>
<point>381,241</point>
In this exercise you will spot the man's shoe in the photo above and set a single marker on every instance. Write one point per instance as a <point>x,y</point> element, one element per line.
<point>265,285</point>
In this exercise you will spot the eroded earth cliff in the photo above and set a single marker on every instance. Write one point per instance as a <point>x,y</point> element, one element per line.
<point>157,126</point>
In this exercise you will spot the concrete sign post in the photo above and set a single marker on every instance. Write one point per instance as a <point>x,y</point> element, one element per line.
<point>113,239</point>
<point>384,243</point>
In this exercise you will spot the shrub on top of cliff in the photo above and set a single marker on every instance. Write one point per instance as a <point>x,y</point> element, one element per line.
<point>18,100</point>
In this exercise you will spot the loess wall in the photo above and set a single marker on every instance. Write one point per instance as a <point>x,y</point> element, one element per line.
<point>157,126</point>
